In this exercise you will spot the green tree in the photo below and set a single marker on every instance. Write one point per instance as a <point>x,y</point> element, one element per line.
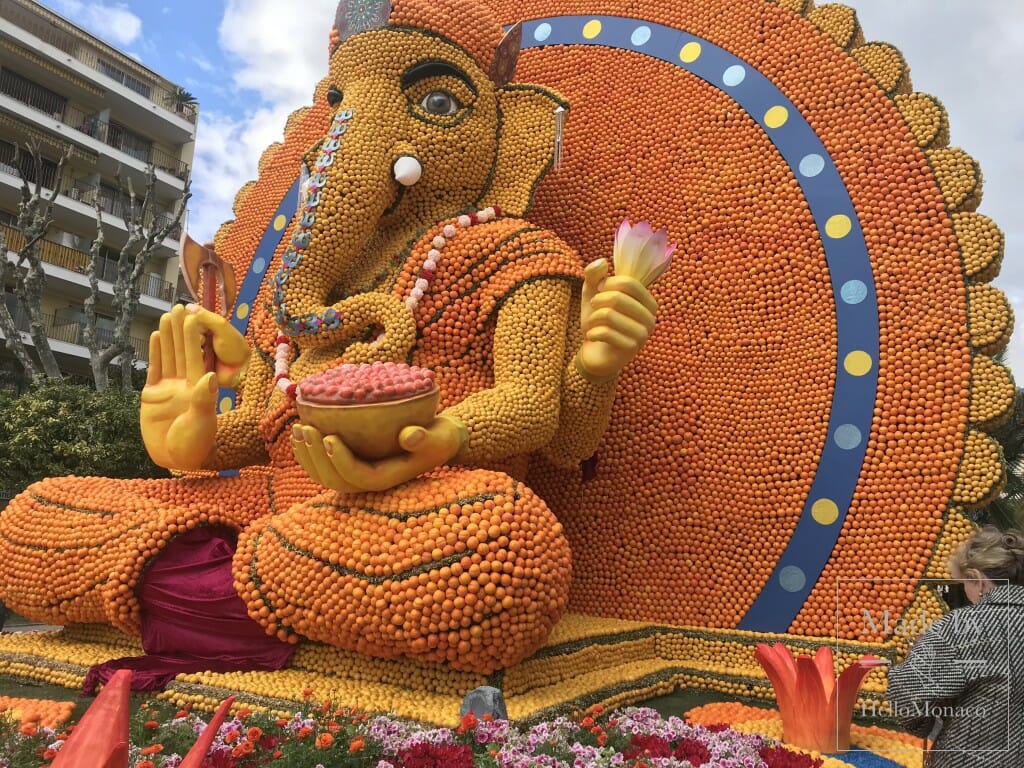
<point>1007,511</point>
<point>70,429</point>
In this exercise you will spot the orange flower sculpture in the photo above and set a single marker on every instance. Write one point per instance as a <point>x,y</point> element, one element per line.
<point>816,707</point>
<point>100,740</point>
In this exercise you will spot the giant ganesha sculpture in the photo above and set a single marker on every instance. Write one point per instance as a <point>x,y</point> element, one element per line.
<point>409,249</point>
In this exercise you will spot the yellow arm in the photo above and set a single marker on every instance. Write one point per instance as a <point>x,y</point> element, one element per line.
<point>616,317</point>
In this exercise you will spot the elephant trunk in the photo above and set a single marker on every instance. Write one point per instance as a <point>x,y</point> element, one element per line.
<point>349,189</point>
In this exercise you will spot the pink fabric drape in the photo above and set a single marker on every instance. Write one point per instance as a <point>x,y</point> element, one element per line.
<point>192,618</point>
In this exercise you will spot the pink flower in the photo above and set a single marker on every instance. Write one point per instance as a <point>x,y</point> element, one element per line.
<point>640,252</point>
<point>816,708</point>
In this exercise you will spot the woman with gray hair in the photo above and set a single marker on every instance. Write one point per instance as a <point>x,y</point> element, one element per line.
<point>964,677</point>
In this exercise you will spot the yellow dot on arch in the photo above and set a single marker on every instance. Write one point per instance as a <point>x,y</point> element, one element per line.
<point>225,405</point>
<point>858,363</point>
<point>825,511</point>
<point>242,312</point>
<point>280,222</point>
<point>690,52</point>
<point>776,117</point>
<point>592,29</point>
<point>838,226</point>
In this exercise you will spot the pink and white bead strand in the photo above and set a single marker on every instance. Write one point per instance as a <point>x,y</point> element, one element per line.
<point>429,268</point>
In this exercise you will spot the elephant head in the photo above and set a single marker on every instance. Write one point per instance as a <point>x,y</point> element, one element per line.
<point>424,126</point>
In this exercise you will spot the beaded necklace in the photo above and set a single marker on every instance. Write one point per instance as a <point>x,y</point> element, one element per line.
<point>283,351</point>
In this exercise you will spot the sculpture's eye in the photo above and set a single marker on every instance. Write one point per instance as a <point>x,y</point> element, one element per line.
<point>334,96</point>
<point>440,103</point>
<point>438,93</point>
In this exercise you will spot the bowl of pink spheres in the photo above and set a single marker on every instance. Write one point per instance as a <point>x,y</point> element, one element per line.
<point>369,405</point>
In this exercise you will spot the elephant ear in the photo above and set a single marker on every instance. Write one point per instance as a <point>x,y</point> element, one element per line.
<point>526,146</point>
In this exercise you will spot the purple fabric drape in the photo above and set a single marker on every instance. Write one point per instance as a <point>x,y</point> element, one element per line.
<point>192,618</point>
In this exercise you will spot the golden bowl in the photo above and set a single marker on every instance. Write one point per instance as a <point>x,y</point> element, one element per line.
<point>371,430</point>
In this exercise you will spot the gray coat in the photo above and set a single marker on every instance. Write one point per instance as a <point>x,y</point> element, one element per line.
<point>967,670</point>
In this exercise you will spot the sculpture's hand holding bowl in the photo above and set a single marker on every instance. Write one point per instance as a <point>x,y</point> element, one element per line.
<point>372,427</point>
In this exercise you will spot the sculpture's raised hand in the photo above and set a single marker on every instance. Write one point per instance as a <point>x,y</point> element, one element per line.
<point>179,402</point>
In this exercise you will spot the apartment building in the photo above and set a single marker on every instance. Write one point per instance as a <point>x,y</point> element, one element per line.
<point>60,86</point>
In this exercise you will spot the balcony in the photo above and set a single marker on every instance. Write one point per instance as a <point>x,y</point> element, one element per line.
<point>54,106</point>
<point>118,204</point>
<point>75,260</point>
<point>116,136</point>
<point>70,331</point>
<point>83,48</point>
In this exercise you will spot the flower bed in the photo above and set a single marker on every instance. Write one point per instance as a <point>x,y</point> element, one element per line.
<point>327,737</point>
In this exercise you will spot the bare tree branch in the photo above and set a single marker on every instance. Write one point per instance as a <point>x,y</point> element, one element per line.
<point>35,216</point>
<point>8,324</point>
<point>145,235</point>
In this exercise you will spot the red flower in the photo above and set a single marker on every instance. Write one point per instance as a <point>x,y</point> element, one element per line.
<point>243,749</point>
<point>648,746</point>
<point>49,754</point>
<point>303,733</point>
<point>436,756</point>
<point>587,722</point>
<point>358,744</point>
<point>692,750</point>
<point>780,757</point>
<point>268,741</point>
<point>146,764</point>
<point>254,734</point>
<point>469,722</point>
<point>152,725</point>
<point>602,739</point>
<point>717,727</point>
<point>153,749</point>
<point>324,741</point>
<point>220,759</point>
<point>231,737</point>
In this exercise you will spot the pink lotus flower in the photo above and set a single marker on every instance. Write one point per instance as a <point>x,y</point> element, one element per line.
<point>640,252</point>
<point>816,708</point>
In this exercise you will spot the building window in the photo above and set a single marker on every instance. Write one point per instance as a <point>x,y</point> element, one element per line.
<point>34,95</point>
<point>111,201</point>
<point>26,164</point>
<point>129,142</point>
<point>132,83</point>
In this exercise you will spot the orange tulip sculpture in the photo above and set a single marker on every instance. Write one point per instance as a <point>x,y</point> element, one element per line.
<point>197,754</point>
<point>816,707</point>
<point>100,740</point>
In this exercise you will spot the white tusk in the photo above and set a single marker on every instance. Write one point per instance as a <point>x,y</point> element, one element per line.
<point>407,170</point>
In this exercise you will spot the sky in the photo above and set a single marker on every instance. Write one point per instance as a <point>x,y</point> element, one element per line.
<point>249,64</point>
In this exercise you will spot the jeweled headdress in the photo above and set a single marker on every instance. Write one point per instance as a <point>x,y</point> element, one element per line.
<point>470,25</point>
